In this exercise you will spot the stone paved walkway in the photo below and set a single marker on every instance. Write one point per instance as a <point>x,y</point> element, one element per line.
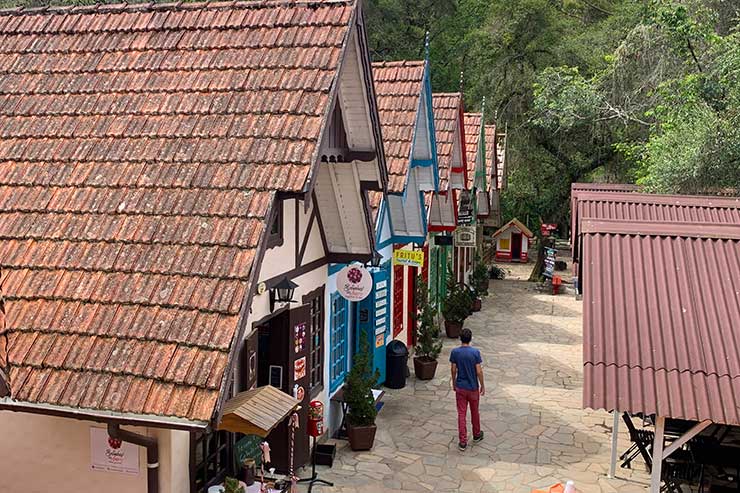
<point>536,432</point>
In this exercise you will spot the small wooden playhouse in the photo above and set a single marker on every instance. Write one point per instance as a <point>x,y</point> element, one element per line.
<point>512,242</point>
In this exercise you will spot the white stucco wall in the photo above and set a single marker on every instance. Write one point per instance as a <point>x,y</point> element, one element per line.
<point>45,454</point>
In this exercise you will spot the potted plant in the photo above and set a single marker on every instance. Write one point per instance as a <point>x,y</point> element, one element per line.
<point>455,309</point>
<point>479,282</point>
<point>428,344</point>
<point>232,485</point>
<point>358,394</point>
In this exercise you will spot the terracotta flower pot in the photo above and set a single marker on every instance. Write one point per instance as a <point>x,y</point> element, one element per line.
<point>452,329</point>
<point>477,305</point>
<point>424,367</point>
<point>361,437</point>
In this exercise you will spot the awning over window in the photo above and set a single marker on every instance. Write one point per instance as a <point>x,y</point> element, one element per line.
<point>257,411</point>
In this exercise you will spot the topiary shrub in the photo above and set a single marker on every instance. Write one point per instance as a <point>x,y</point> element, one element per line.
<point>358,392</point>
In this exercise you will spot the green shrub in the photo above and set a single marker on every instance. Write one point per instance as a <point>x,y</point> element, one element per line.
<point>358,392</point>
<point>428,343</point>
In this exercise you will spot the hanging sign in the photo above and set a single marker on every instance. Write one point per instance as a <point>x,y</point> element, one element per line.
<point>112,455</point>
<point>412,258</point>
<point>550,255</point>
<point>465,236</point>
<point>443,240</point>
<point>546,229</point>
<point>465,212</point>
<point>354,282</point>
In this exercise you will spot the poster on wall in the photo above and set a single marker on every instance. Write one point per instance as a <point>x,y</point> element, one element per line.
<point>354,282</point>
<point>299,368</point>
<point>112,455</point>
<point>411,258</point>
<point>465,236</point>
<point>299,337</point>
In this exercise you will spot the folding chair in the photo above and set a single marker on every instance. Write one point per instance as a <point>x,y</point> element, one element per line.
<point>642,444</point>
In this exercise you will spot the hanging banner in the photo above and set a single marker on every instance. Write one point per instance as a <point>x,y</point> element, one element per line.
<point>354,282</point>
<point>112,455</point>
<point>465,236</point>
<point>412,258</point>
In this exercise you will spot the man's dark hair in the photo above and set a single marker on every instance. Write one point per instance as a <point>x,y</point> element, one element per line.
<point>466,336</point>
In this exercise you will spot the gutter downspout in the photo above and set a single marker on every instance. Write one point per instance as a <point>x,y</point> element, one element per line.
<point>152,453</point>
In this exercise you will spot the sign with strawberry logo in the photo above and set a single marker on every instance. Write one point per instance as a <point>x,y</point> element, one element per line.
<point>110,454</point>
<point>354,282</point>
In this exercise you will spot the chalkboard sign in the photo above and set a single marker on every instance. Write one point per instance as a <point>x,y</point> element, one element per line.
<point>443,240</point>
<point>550,255</point>
<point>276,376</point>
<point>248,447</point>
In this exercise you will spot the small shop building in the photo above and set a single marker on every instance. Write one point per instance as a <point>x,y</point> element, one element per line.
<point>168,217</point>
<point>512,242</point>
<point>405,105</point>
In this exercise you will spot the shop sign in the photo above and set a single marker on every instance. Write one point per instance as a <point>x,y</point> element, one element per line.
<point>550,255</point>
<point>465,212</point>
<point>248,447</point>
<point>112,455</point>
<point>354,282</point>
<point>465,236</point>
<point>412,258</point>
<point>546,229</point>
<point>443,240</point>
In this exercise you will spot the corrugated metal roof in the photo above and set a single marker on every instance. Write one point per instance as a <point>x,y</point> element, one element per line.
<point>632,206</point>
<point>661,306</point>
<point>140,149</point>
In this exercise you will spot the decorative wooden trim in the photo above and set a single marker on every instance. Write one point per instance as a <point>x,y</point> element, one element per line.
<point>270,316</point>
<point>275,240</point>
<point>345,258</point>
<point>297,222</point>
<point>321,225</point>
<point>304,244</point>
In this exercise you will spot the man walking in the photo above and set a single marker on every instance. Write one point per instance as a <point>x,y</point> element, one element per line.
<point>467,382</point>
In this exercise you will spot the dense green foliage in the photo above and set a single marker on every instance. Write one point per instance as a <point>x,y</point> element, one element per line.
<point>590,90</point>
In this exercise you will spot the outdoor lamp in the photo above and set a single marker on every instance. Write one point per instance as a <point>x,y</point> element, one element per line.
<point>282,292</point>
<point>376,260</point>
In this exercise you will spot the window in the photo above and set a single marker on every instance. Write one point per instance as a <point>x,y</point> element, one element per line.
<point>275,236</point>
<point>210,459</point>
<point>315,300</point>
<point>338,361</point>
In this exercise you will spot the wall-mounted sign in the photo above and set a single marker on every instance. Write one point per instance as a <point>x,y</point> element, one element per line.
<point>412,258</point>
<point>380,340</point>
<point>465,236</point>
<point>443,240</point>
<point>299,368</point>
<point>354,282</point>
<point>111,455</point>
<point>465,212</point>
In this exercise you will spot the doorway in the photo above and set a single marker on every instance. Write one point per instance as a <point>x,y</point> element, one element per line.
<point>282,355</point>
<point>516,247</point>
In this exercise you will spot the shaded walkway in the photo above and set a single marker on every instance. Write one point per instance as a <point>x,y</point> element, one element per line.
<point>536,432</point>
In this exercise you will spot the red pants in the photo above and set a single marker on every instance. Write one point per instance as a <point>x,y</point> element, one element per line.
<point>465,397</point>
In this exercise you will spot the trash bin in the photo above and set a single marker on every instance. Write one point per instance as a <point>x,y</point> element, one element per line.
<point>397,355</point>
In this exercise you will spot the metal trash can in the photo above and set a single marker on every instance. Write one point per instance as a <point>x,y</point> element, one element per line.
<point>397,356</point>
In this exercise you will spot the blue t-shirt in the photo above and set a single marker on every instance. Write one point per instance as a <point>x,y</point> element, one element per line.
<point>466,357</point>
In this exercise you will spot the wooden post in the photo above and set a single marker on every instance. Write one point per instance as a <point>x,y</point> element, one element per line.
<point>657,455</point>
<point>615,433</point>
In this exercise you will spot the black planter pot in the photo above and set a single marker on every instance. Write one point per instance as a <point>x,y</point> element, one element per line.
<point>477,305</point>
<point>452,329</point>
<point>424,367</point>
<point>361,437</point>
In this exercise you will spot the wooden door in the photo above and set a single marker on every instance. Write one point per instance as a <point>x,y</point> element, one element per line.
<point>249,364</point>
<point>397,299</point>
<point>516,246</point>
<point>411,304</point>
<point>299,376</point>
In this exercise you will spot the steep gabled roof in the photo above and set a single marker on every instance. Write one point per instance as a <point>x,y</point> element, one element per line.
<point>472,122</point>
<point>491,171</point>
<point>514,223</point>
<point>446,122</point>
<point>398,87</point>
<point>140,150</point>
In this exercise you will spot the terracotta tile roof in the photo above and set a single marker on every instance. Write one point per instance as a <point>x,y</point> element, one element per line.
<point>446,115</point>
<point>491,173</point>
<point>661,304</point>
<point>140,150</point>
<point>471,122</point>
<point>398,86</point>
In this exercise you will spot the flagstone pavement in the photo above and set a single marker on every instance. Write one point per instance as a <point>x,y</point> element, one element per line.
<point>536,433</point>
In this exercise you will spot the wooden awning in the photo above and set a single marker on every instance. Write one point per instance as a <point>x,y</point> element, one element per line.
<point>257,411</point>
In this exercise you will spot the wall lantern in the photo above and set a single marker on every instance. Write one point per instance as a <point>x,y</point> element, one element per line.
<point>376,260</point>
<point>282,292</point>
